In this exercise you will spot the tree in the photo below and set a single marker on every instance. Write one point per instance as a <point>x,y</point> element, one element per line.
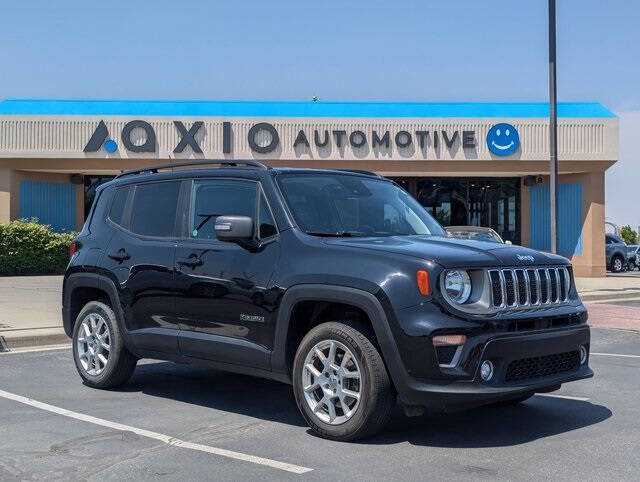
<point>628,235</point>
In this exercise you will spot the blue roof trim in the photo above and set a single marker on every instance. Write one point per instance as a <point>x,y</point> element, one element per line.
<point>297,108</point>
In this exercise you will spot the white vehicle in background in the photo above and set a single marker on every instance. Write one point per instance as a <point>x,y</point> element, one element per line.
<point>475,233</point>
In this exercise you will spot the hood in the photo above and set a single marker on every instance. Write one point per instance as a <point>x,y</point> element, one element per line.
<point>451,252</point>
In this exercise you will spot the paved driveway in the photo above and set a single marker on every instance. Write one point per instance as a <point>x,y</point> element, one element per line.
<point>214,424</point>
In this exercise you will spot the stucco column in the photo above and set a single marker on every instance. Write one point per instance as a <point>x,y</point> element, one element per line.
<point>592,261</point>
<point>5,195</point>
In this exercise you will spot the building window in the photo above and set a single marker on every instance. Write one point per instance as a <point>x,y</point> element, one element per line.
<point>489,202</point>
<point>91,183</point>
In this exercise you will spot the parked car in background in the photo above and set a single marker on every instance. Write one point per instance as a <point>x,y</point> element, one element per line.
<point>633,251</point>
<point>617,254</point>
<point>476,233</point>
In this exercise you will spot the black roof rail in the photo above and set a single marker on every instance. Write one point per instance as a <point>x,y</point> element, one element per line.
<point>360,171</point>
<point>199,162</point>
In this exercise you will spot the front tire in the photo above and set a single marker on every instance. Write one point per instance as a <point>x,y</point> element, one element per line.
<point>340,382</point>
<point>616,264</point>
<point>99,353</point>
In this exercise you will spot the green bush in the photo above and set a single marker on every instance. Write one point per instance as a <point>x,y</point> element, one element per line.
<point>27,248</point>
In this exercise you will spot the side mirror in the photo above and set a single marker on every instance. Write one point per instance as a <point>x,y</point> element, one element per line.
<point>508,242</point>
<point>234,228</point>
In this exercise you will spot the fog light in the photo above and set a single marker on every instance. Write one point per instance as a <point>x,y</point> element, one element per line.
<point>583,354</point>
<point>486,370</point>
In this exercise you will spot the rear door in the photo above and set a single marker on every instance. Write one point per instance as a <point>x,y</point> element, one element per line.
<point>141,255</point>
<point>224,298</point>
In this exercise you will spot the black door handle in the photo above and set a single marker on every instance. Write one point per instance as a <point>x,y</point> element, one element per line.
<point>120,255</point>
<point>193,260</point>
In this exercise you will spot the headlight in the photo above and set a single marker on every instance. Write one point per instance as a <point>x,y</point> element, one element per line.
<point>457,286</point>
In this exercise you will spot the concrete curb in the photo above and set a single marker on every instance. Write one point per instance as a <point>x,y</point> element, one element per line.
<point>610,296</point>
<point>12,340</point>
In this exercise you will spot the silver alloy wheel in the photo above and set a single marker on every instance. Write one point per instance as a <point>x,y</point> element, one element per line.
<point>617,264</point>
<point>93,344</point>
<point>332,382</point>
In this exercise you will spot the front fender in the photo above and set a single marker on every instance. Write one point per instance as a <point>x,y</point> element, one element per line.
<point>364,300</point>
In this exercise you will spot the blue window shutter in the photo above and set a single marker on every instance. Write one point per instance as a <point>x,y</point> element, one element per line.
<point>52,203</point>
<point>569,219</point>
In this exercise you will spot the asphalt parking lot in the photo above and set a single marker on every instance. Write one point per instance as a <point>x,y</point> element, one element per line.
<point>188,423</point>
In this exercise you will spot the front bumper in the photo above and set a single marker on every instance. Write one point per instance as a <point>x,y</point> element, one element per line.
<point>523,363</point>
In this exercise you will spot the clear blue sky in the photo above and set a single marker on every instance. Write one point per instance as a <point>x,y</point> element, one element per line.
<point>456,50</point>
<point>491,50</point>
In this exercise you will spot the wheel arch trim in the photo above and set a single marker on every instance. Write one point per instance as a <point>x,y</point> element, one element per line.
<point>89,280</point>
<point>338,294</point>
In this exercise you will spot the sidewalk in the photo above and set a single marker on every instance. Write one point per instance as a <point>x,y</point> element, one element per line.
<point>30,311</point>
<point>30,307</point>
<point>613,287</point>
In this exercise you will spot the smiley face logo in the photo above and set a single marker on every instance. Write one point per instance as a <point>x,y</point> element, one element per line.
<point>503,139</point>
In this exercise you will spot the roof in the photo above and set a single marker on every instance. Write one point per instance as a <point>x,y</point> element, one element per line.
<point>296,108</point>
<point>198,168</point>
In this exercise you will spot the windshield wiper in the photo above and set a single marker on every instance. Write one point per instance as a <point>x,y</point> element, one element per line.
<point>329,234</point>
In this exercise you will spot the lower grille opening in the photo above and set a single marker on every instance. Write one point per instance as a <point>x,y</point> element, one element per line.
<point>542,366</point>
<point>446,353</point>
<point>542,323</point>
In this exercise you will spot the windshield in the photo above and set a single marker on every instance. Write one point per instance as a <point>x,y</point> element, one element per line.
<point>345,205</point>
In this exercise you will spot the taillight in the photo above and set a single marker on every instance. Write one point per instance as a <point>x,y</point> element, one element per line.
<point>72,249</point>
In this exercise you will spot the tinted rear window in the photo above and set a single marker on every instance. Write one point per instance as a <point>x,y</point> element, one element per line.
<point>154,209</point>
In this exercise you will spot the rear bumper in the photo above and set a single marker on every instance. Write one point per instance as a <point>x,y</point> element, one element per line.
<point>523,364</point>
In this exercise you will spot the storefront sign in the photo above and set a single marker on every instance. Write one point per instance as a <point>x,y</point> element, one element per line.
<point>503,139</point>
<point>264,138</point>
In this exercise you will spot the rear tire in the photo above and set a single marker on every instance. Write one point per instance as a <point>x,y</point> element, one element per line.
<point>347,348</point>
<point>99,353</point>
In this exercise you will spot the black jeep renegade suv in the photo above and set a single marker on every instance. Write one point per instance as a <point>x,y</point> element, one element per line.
<point>337,282</point>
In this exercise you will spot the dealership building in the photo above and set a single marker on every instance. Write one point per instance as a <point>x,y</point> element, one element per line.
<point>484,164</point>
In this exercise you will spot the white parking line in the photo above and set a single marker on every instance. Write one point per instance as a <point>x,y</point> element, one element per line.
<point>615,354</point>
<point>66,346</point>
<point>567,397</point>
<point>296,469</point>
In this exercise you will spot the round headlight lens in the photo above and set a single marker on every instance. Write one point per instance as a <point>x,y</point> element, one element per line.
<point>457,286</point>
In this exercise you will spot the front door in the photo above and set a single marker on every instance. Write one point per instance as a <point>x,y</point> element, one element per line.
<point>224,300</point>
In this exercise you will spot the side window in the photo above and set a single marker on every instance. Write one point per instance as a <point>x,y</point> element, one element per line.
<point>154,208</point>
<point>219,197</point>
<point>266,224</point>
<point>117,205</point>
<point>608,240</point>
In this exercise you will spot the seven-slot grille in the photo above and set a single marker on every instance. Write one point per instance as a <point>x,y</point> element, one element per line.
<point>529,287</point>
